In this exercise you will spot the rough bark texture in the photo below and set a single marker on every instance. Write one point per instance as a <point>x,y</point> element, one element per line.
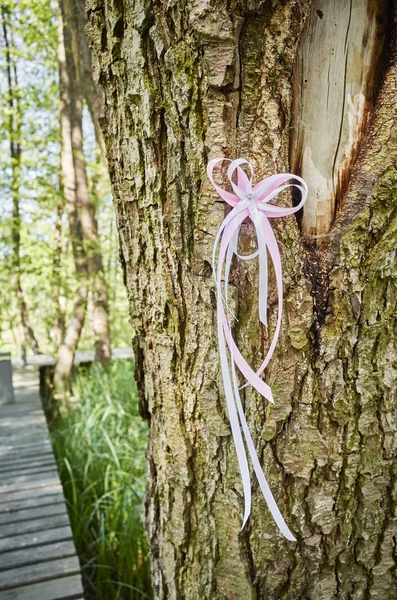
<point>185,82</point>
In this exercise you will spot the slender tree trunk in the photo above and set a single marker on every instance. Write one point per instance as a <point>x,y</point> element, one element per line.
<point>89,228</point>
<point>70,340</point>
<point>93,95</point>
<point>81,212</point>
<point>59,298</point>
<point>100,317</point>
<point>14,131</point>
<point>79,59</point>
<point>76,18</point>
<point>189,81</point>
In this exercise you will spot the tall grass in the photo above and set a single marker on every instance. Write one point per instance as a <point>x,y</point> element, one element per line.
<point>99,441</point>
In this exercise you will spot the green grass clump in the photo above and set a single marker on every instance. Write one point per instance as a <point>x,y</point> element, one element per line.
<point>100,440</point>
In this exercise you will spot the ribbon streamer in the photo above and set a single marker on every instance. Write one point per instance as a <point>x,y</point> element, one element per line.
<point>250,201</point>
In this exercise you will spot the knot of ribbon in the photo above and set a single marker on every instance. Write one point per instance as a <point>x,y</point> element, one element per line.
<point>251,201</point>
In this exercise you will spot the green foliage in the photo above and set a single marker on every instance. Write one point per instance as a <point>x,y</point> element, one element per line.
<point>99,440</point>
<point>47,269</point>
<point>100,443</point>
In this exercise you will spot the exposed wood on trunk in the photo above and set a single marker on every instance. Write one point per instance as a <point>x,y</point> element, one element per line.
<point>336,75</point>
<point>14,132</point>
<point>184,84</point>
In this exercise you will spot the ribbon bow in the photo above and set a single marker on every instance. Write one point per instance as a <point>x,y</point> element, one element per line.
<point>253,202</point>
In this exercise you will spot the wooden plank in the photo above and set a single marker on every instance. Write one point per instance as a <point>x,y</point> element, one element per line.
<point>26,443</point>
<point>39,572</point>
<point>11,426</point>
<point>10,529</point>
<point>25,468</point>
<point>16,418</point>
<point>26,465</point>
<point>67,588</point>
<point>19,453</point>
<point>12,430</point>
<point>30,482</point>
<point>22,442</point>
<point>21,456</point>
<point>26,514</point>
<point>21,408</point>
<point>29,502</point>
<point>36,432</point>
<point>17,495</point>
<point>12,475</point>
<point>40,428</point>
<point>35,538</point>
<point>28,556</point>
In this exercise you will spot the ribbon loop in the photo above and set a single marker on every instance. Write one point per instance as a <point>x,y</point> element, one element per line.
<point>252,201</point>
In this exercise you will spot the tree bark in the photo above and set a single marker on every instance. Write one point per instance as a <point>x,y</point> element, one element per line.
<point>14,133</point>
<point>189,81</point>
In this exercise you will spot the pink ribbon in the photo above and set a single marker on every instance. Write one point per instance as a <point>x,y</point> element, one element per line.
<point>253,202</point>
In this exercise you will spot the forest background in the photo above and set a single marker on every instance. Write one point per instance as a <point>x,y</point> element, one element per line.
<point>62,285</point>
<point>43,264</point>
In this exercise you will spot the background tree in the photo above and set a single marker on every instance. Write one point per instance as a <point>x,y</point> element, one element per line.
<point>36,247</point>
<point>15,143</point>
<point>75,191</point>
<point>80,207</point>
<point>296,84</point>
<point>77,18</point>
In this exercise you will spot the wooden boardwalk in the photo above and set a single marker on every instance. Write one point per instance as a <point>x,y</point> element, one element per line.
<point>37,555</point>
<point>86,356</point>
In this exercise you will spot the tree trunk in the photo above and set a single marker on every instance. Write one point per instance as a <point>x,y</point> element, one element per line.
<point>14,133</point>
<point>80,209</point>
<point>67,86</point>
<point>100,317</point>
<point>77,57</point>
<point>82,59</point>
<point>89,230</point>
<point>58,295</point>
<point>189,81</point>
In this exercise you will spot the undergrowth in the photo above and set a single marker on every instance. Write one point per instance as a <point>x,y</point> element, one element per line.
<point>99,440</point>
